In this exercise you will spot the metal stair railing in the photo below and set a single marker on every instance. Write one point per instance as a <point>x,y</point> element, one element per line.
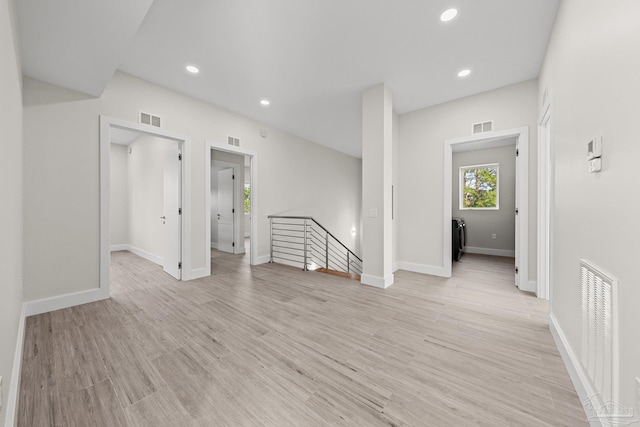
<point>303,242</point>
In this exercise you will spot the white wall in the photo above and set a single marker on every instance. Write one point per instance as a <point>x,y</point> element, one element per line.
<point>11,195</point>
<point>119,195</point>
<point>420,151</point>
<point>295,176</point>
<point>590,71</point>
<point>481,224</point>
<point>145,170</point>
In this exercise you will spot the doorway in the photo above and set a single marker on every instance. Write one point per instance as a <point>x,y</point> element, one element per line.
<point>487,140</point>
<point>220,161</point>
<point>161,201</point>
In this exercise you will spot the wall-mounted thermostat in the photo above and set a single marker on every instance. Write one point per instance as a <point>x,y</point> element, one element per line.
<point>594,148</point>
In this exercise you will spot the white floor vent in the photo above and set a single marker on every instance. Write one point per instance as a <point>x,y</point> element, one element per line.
<point>600,331</point>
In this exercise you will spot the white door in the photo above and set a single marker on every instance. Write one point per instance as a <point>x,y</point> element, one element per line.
<point>172,218</point>
<point>225,210</point>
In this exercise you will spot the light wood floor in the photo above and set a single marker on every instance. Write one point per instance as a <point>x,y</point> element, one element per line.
<point>274,346</point>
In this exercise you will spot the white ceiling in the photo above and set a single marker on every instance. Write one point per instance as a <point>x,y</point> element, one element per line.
<point>311,58</point>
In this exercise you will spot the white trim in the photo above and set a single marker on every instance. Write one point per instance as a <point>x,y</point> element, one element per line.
<point>377,281</point>
<point>578,377</point>
<point>490,251</point>
<point>12,398</point>
<point>146,255</point>
<point>59,302</point>
<point>422,268</point>
<point>106,123</point>
<point>253,158</point>
<point>488,140</point>
<point>545,201</point>
<point>115,248</point>
<point>239,250</point>
<point>394,266</point>
<point>264,259</point>
<point>198,273</point>
<point>532,286</point>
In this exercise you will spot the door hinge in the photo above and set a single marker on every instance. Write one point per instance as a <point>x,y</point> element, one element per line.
<point>233,177</point>
<point>180,266</point>
<point>233,244</point>
<point>517,152</point>
<point>233,210</point>
<point>179,211</point>
<point>517,211</point>
<point>516,270</point>
<point>179,156</point>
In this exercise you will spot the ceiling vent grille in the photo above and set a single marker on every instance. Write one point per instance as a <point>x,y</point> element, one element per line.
<point>483,127</point>
<point>149,119</point>
<point>233,141</point>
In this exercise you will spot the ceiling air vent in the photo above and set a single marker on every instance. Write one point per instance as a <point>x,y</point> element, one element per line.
<point>483,127</point>
<point>149,119</point>
<point>233,141</point>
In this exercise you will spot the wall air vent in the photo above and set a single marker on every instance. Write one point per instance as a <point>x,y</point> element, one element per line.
<point>483,127</point>
<point>149,119</point>
<point>233,141</point>
<point>600,331</point>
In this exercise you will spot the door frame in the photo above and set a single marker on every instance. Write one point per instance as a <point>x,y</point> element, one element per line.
<point>106,124</point>
<point>489,140</point>
<point>545,202</point>
<point>253,157</point>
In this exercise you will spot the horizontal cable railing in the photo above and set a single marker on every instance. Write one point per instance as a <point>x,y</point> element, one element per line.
<point>302,241</point>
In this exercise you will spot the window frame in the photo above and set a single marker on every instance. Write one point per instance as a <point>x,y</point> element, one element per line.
<point>461,186</point>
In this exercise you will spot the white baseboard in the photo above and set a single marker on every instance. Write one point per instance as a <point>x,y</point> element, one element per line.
<point>46,305</point>
<point>146,255</point>
<point>12,398</point>
<point>377,281</point>
<point>422,268</point>
<point>262,259</point>
<point>489,251</point>
<point>578,377</point>
<point>198,273</point>
<point>115,248</point>
<point>529,286</point>
<point>394,266</point>
<point>214,245</point>
<point>239,250</point>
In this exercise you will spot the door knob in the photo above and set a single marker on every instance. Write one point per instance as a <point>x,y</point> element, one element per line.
<point>163,217</point>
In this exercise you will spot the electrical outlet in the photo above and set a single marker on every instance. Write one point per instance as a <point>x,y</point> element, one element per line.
<point>373,213</point>
<point>494,236</point>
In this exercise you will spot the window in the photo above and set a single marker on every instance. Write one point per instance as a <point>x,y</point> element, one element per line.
<point>479,187</point>
<point>247,198</point>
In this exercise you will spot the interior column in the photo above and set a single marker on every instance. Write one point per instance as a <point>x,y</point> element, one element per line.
<point>377,245</point>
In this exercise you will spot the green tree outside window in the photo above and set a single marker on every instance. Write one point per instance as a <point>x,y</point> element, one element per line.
<point>479,187</point>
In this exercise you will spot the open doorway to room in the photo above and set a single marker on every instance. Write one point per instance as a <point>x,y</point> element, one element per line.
<point>483,205</point>
<point>231,200</point>
<point>495,223</point>
<point>142,194</point>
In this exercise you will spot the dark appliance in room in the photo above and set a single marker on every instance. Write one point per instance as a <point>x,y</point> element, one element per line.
<point>458,229</point>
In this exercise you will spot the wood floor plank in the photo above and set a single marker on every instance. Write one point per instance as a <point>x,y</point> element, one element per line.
<point>272,345</point>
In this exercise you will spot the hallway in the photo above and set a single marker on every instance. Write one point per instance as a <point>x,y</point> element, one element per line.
<point>273,345</point>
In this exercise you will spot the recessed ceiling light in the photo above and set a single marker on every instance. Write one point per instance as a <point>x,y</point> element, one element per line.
<point>265,102</point>
<point>192,69</point>
<point>464,73</point>
<point>448,15</point>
